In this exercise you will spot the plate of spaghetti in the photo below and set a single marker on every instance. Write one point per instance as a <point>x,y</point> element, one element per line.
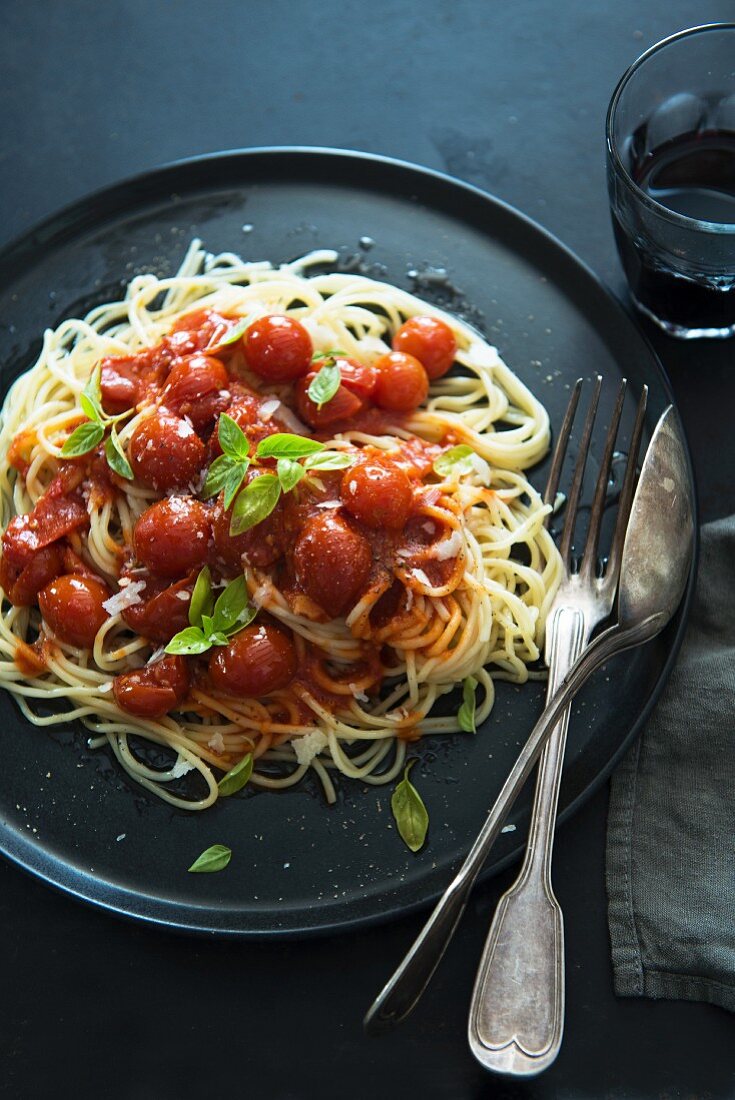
<point>272,534</point>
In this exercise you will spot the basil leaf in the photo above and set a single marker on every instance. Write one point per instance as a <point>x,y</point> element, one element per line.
<point>329,460</point>
<point>285,445</point>
<point>232,438</point>
<point>231,604</point>
<point>325,384</point>
<point>207,625</point>
<point>256,501</point>
<point>190,640</point>
<point>409,812</point>
<point>232,336</point>
<point>90,409</point>
<point>466,713</point>
<point>215,858</point>
<point>218,638</point>
<point>91,396</point>
<point>217,475</point>
<point>331,353</point>
<point>201,598</point>
<point>456,461</point>
<point>116,458</point>
<point>234,480</point>
<point>236,777</point>
<point>289,473</point>
<point>83,439</point>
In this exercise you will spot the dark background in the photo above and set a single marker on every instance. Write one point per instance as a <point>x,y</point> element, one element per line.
<point>511,98</point>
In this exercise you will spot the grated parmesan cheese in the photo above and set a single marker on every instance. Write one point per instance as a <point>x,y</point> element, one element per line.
<point>181,767</point>
<point>268,408</point>
<point>449,548</point>
<point>359,695</point>
<point>126,597</point>
<point>217,743</point>
<point>308,746</point>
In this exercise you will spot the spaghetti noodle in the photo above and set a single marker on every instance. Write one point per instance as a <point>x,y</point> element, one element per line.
<point>414,560</point>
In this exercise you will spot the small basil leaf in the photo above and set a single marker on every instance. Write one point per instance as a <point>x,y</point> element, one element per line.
<point>116,458</point>
<point>256,501</point>
<point>466,713</point>
<point>236,777</point>
<point>331,353</point>
<point>409,812</point>
<point>90,408</point>
<point>231,604</point>
<point>455,462</point>
<point>215,858</point>
<point>207,625</point>
<point>217,475</point>
<point>329,460</point>
<point>289,473</point>
<point>232,336</point>
<point>244,620</point>
<point>83,439</point>
<point>218,638</point>
<point>234,480</point>
<point>190,640</point>
<point>93,393</point>
<point>325,384</point>
<point>232,438</point>
<point>285,445</point>
<point>201,598</point>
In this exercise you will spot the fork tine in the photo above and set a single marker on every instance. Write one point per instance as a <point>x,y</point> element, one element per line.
<point>589,559</point>
<point>626,493</point>
<point>565,543</point>
<point>560,450</point>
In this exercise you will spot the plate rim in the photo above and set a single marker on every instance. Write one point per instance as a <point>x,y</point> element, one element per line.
<point>50,231</point>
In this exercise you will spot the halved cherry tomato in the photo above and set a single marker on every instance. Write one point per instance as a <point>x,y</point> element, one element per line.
<point>163,610</point>
<point>202,330</point>
<point>72,607</point>
<point>120,384</point>
<point>258,660</point>
<point>51,519</point>
<point>165,452</point>
<point>153,691</point>
<point>22,587</point>
<point>429,340</point>
<point>332,562</point>
<point>197,388</point>
<point>358,377</point>
<point>402,382</point>
<point>344,405</point>
<point>278,348</point>
<point>378,494</point>
<point>171,538</point>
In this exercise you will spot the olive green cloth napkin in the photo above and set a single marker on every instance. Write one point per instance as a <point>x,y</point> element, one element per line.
<point>671,823</point>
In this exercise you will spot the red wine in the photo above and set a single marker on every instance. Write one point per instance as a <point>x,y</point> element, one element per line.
<point>693,175</point>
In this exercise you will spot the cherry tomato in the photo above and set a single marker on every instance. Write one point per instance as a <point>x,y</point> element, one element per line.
<point>153,691</point>
<point>358,377</point>
<point>402,382</point>
<point>332,562</point>
<point>245,411</point>
<point>165,452</point>
<point>172,537</point>
<point>197,388</point>
<point>278,348</point>
<point>52,517</point>
<point>72,607</point>
<point>22,587</point>
<point>429,340</point>
<point>377,494</point>
<point>202,330</point>
<point>343,405</point>
<point>119,383</point>
<point>261,546</point>
<point>163,610</point>
<point>258,660</point>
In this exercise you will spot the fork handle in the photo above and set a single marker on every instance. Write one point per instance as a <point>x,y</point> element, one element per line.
<point>517,1009</point>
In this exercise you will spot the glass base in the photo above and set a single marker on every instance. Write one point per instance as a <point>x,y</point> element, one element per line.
<point>680,331</point>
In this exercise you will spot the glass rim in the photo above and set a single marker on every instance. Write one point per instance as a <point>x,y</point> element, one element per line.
<point>682,220</point>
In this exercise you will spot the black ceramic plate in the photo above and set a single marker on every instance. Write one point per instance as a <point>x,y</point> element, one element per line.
<point>70,816</point>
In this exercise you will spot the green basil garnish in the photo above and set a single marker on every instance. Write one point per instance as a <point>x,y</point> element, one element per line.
<point>325,384</point>
<point>409,812</point>
<point>289,473</point>
<point>213,623</point>
<point>255,503</point>
<point>466,713</point>
<point>83,439</point>
<point>456,461</point>
<point>115,456</point>
<point>215,858</point>
<point>329,460</point>
<point>285,445</point>
<point>236,777</point>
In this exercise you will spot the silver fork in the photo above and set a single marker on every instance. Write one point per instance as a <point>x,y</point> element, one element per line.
<point>517,1010</point>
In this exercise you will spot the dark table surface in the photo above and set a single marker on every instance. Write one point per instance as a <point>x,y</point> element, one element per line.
<point>511,98</point>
